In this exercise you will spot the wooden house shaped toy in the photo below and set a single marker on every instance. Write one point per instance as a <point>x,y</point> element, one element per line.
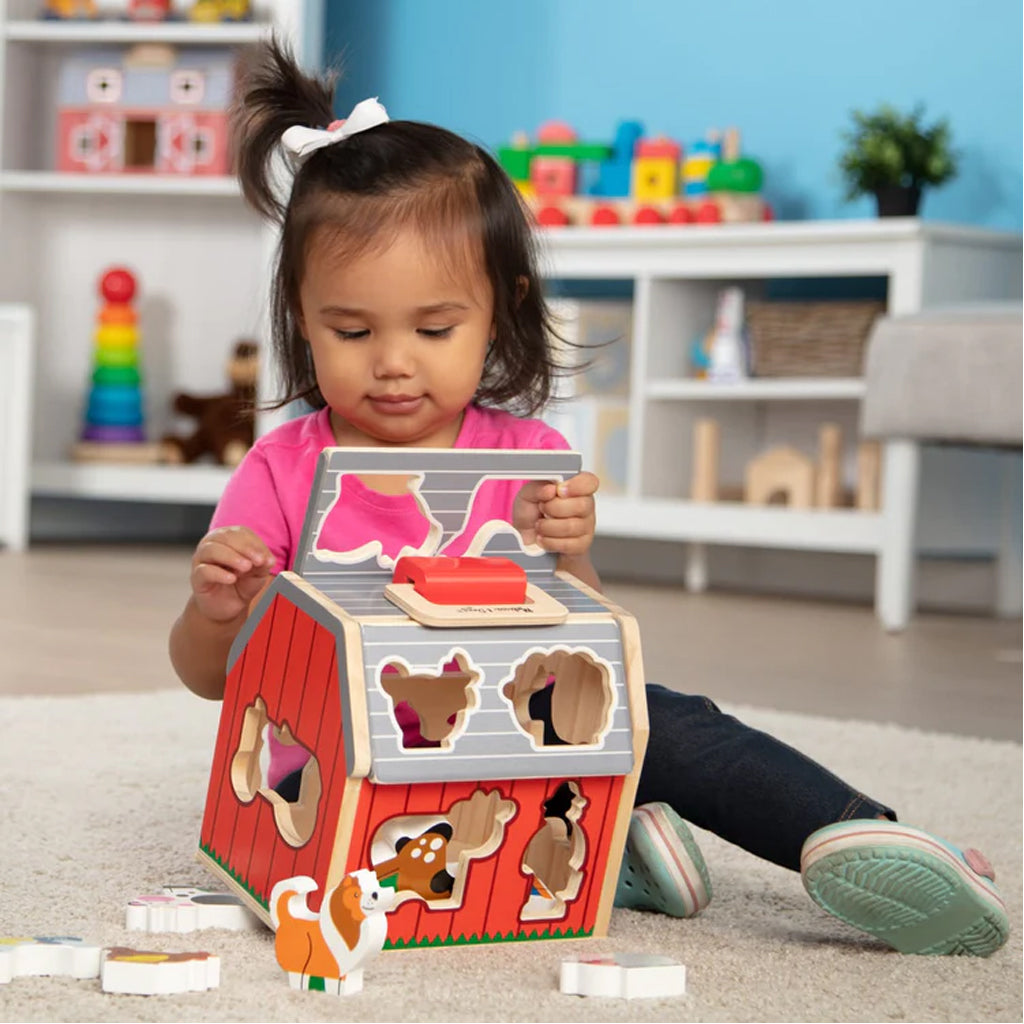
<point>471,729</point>
<point>145,109</point>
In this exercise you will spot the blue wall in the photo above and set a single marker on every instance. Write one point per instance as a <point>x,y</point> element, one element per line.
<point>786,73</point>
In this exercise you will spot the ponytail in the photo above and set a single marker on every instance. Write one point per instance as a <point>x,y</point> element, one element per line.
<point>274,95</point>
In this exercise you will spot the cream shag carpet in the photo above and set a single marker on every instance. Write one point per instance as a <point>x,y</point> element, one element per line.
<point>102,799</point>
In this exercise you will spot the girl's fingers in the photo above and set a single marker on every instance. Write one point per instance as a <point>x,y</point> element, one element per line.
<point>551,529</point>
<point>215,552</point>
<point>206,575</point>
<point>568,508</point>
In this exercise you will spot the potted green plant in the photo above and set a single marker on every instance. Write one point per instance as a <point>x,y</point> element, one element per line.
<point>892,156</point>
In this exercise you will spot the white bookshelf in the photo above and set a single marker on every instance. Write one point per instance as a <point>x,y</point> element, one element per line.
<point>676,274</point>
<point>118,185</point>
<point>201,257</point>
<point>109,31</point>
<point>792,389</point>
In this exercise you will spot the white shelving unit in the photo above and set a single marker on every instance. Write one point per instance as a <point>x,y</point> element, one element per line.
<point>676,274</point>
<point>200,256</point>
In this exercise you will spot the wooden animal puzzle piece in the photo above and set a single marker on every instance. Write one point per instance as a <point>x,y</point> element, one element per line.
<point>22,957</point>
<point>555,855</point>
<point>327,951</point>
<point>441,701</point>
<point>183,908</point>
<point>561,696</point>
<point>623,976</point>
<point>142,972</point>
<point>419,864</point>
<point>427,857</point>
<point>296,818</point>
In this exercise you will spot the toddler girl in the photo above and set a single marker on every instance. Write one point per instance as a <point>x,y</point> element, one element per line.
<point>407,310</point>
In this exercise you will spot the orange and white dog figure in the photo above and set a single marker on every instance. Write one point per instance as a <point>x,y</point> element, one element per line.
<point>327,951</point>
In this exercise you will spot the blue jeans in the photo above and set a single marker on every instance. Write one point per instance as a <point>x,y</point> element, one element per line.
<point>738,782</point>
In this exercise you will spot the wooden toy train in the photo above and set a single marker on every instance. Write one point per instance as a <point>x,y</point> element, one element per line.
<point>480,757</point>
<point>634,179</point>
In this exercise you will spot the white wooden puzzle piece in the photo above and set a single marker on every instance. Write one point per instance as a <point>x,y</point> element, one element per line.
<point>22,957</point>
<point>188,908</point>
<point>148,972</point>
<point>623,976</point>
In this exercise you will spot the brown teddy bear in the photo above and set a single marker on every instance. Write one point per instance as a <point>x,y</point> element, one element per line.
<point>224,423</point>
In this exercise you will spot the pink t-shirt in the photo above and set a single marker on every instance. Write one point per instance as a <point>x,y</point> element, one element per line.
<point>270,490</point>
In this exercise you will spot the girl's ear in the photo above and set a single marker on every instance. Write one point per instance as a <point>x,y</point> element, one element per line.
<point>522,288</point>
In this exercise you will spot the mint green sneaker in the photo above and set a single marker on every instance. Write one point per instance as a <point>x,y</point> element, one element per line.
<point>662,867</point>
<point>918,893</point>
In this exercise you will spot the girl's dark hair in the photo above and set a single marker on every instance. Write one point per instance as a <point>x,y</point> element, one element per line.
<point>362,191</point>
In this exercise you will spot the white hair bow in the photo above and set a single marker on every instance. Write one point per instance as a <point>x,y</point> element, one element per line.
<point>300,143</point>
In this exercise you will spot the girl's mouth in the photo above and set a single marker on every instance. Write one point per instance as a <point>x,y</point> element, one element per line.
<point>396,405</point>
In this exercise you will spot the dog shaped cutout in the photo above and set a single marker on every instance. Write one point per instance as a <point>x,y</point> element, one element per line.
<point>326,951</point>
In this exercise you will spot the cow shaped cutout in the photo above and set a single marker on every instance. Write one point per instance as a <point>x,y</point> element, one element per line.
<point>427,856</point>
<point>350,529</point>
<point>555,854</point>
<point>431,709</point>
<point>295,818</point>
<point>561,696</point>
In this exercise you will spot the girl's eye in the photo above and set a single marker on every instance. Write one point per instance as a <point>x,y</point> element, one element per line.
<point>436,332</point>
<point>351,335</point>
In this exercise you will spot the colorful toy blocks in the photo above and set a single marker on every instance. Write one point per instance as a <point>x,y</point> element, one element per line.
<point>635,180</point>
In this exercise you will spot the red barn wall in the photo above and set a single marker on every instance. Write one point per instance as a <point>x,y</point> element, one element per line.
<point>291,662</point>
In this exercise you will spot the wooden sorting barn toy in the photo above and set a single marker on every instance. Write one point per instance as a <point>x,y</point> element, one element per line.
<point>483,768</point>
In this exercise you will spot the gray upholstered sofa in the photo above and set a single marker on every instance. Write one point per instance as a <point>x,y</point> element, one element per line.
<point>946,376</point>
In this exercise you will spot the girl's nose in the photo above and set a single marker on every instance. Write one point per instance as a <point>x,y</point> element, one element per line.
<point>393,357</point>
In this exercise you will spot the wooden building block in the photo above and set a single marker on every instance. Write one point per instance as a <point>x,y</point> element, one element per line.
<point>706,448</point>
<point>869,476</point>
<point>780,471</point>
<point>829,479</point>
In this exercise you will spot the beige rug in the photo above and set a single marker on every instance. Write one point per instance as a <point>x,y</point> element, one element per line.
<point>102,798</point>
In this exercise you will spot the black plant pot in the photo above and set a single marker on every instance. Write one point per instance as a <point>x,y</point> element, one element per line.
<point>898,200</point>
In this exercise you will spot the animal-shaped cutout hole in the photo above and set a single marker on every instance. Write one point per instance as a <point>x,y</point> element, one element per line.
<point>427,856</point>
<point>270,763</point>
<point>431,708</point>
<point>555,854</point>
<point>562,697</point>
<point>490,512</point>
<point>350,531</point>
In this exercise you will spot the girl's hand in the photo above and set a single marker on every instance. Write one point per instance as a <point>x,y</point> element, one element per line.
<point>231,565</point>
<point>558,517</point>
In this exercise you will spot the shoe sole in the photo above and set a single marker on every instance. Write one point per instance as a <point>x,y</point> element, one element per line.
<point>904,887</point>
<point>662,867</point>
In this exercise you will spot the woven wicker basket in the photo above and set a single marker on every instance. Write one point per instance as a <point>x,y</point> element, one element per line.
<point>809,339</point>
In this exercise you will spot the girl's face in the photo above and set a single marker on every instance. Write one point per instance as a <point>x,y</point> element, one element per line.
<point>398,344</point>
